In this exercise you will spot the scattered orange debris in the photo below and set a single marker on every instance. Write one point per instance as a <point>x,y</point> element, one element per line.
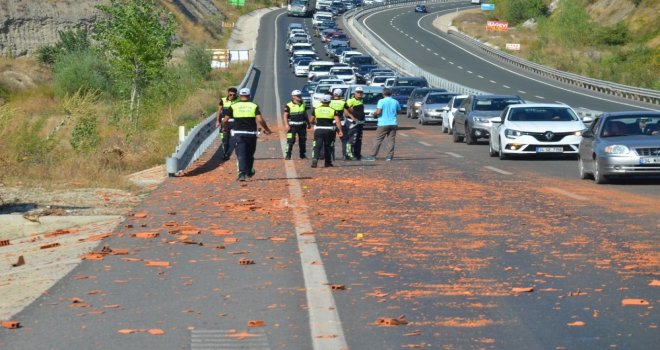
<point>338,287</point>
<point>278,239</point>
<point>413,333</point>
<point>307,233</point>
<point>96,237</point>
<point>221,232</point>
<point>240,336</point>
<point>93,256</point>
<point>51,245</point>
<point>244,261</point>
<point>156,331</point>
<point>11,324</point>
<point>576,324</point>
<point>655,283</point>
<point>386,321</point>
<point>522,289</point>
<point>112,306</point>
<point>156,263</point>
<point>4,242</point>
<point>146,235</point>
<point>140,215</point>
<point>635,302</point>
<point>230,240</point>
<point>256,323</point>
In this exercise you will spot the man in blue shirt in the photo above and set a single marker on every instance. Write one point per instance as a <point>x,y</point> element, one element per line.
<point>386,112</point>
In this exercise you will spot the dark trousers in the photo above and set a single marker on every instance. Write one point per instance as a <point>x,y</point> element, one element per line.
<point>301,132</point>
<point>382,132</point>
<point>354,141</point>
<point>245,145</point>
<point>227,142</point>
<point>323,140</point>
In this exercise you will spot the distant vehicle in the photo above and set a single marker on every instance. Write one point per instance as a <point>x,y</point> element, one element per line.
<point>341,37</point>
<point>301,67</point>
<point>298,8</point>
<point>357,61</point>
<point>301,46</point>
<point>319,69</point>
<point>536,128</point>
<point>346,55</point>
<point>432,107</point>
<point>476,2</point>
<point>302,53</point>
<point>295,25</point>
<point>414,104</point>
<point>411,81</point>
<point>321,17</point>
<point>306,91</point>
<point>337,8</point>
<point>346,74</point>
<point>472,120</point>
<point>621,144</point>
<point>379,80</point>
<point>420,8</point>
<point>380,71</point>
<point>336,52</point>
<point>448,113</point>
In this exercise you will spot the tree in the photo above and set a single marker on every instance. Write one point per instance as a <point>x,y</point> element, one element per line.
<point>137,37</point>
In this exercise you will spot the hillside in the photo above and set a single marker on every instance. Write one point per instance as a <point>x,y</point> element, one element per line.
<point>614,40</point>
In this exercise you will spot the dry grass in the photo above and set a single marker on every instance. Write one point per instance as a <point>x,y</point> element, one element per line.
<point>473,23</point>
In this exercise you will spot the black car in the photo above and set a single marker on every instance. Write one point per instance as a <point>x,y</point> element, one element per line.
<point>420,8</point>
<point>362,70</point>
<point>357,61</point>
<point>337,8</point>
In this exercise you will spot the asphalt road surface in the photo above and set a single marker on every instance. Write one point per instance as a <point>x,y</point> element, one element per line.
<point>441,235</point>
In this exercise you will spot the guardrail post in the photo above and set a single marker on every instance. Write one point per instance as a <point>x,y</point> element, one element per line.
<point>182,133</point>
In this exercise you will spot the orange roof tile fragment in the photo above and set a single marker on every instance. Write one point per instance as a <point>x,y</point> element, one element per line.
<point>4,242</point>
<point>156,263</point>
<point>51,245</point>
<point>576,324</point>
<point>256,323</point>
<point>140,215</point>
<point>522,289</point>
<point>11,324</point>
<point>245,261</point>
<point>654,283</point>
<point>146,235</point>
<point>240,336</point>
<point>156,331</point>
<point>388,321</point>
<point>635,302</point>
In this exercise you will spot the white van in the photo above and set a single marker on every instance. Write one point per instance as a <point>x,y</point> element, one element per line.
<point>319,68</point>
<point>320,17</point>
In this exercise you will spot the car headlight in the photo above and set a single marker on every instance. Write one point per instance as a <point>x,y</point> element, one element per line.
<point>617,149</point>
<point>481,120</point>
<point>512,134</point>
<point>417,104</point>
<point>579,133</point>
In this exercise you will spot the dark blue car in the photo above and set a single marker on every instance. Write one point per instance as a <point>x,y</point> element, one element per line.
<point>420,8</point>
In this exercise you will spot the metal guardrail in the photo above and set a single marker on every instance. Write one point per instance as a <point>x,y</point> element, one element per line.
<point>613,89</point>
<point>198,140</point>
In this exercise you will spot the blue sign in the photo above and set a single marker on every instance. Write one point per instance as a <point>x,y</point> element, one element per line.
<point>487,7</point>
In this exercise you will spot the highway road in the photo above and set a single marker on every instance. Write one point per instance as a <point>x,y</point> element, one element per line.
<point>476,253</point>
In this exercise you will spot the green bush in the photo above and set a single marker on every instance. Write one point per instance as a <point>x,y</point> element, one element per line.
<point>615,35</point>
<point>48,54</point>
<point>518,11</point>
<point>198,61</point>
<point>85,135</point>
<point>81,71</point>
<point>569,25</point>
<point>29,146</point>
<point>70,41</point>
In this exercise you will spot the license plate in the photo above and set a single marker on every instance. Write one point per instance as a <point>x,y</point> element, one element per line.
<point>655,160</point>
<point>549,149</point>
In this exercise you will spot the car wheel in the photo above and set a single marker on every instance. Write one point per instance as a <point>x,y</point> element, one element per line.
<point>491,151</point>
<point>456,137</point>
<point>599,178</point>
<point>583,173</point>
<point>468,136</point>
<point>501,153</point>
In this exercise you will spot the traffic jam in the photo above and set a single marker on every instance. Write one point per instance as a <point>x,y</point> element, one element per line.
<point>607,146</point>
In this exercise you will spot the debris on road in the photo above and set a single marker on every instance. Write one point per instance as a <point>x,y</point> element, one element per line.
<point>635,302</point>
<point>387,321</point>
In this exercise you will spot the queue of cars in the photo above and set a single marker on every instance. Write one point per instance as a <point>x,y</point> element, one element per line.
<point>613,144</point>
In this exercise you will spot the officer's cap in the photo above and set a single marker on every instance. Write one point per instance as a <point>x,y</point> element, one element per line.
<point>244,92</point>
<point>296,93</point>
<point>337,92</point>
<point>359,89</point>
<point>326,99</point>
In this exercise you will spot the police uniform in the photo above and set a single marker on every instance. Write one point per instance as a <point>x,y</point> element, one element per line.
<point>324,133</point>
<point>355,129</point>
<point>244,134</point>
<point>297,119</point>
<point>339,105</point>
<point>225,135</point>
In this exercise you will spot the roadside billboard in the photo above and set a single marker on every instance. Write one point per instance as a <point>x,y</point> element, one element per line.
<point>502,26</point>
<point>513,47</point>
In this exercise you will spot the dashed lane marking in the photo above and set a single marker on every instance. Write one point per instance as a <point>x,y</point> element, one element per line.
<point>424,143</point>
<point>541,97</point>
<point>321,307</point>
<point>403,134</point>
<point>506,86</point>
<point>493,81</point>
<point>497,170</point>
<point>567,194</point>
<point>522,92</point>
<point>455,155</point>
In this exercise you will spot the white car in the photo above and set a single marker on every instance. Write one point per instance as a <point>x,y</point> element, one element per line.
<point>301,69</point>
<point>346,54</point>
<point>301,46</point>
<point>320,17</point>
<point>346,74</point>
<point>448,113</point>
<point>536,128</point>
<point>302,53</point>
<point>379,80</point>
<point>319,69</point>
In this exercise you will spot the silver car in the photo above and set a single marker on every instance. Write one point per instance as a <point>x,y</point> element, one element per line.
<point>432,107</point>
<point>620,144</point>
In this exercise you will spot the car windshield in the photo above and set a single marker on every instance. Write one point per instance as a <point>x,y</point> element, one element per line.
<point>381,78</point>
<point>542,114</point>
<point>309,87</point>
<point>342,71</point>
<point>321,68</point>
<point>438,98</point>
<point>494,104</point>
<point>366,68</point>
<point>631,125</point>
<point>304,63</point>
<point>371,98</point>
<point>411,82</point>
<point>323,88</point>
<point>458,101</point>
<point>406,90</point>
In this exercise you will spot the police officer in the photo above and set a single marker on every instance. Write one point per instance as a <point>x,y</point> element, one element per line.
<point>225,134</point>
<point>325,118</point>
<point>296,123</point>
<point>355,125</point>
<point>337,103</point>
<point>246,115</point>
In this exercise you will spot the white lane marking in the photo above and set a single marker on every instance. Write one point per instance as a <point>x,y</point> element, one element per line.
<point>568,194</point>
<point>522,92</point>
<point>459,67</point>
<point>455,155</point>
<point>493,81</point>
<point>403,134</point>
<point>587,94</point>
<point>450,62</point>
<point>497,170</point>
<point>435,53</point>
<point>323,315</point>
<point>541,97</point>
<point>444,59</point>
<point>480,76</point>
<point>424,143</point>
<point>469,71</point>
<point>506,86</point>
<point>428,49</point>
<point>422,45</point>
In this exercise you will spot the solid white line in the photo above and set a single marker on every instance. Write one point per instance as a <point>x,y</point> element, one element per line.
<point>568,194</point>
<point>324,322</point>
<point>503,172</point>
<point>455,155</point>
<point>424,143</point>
